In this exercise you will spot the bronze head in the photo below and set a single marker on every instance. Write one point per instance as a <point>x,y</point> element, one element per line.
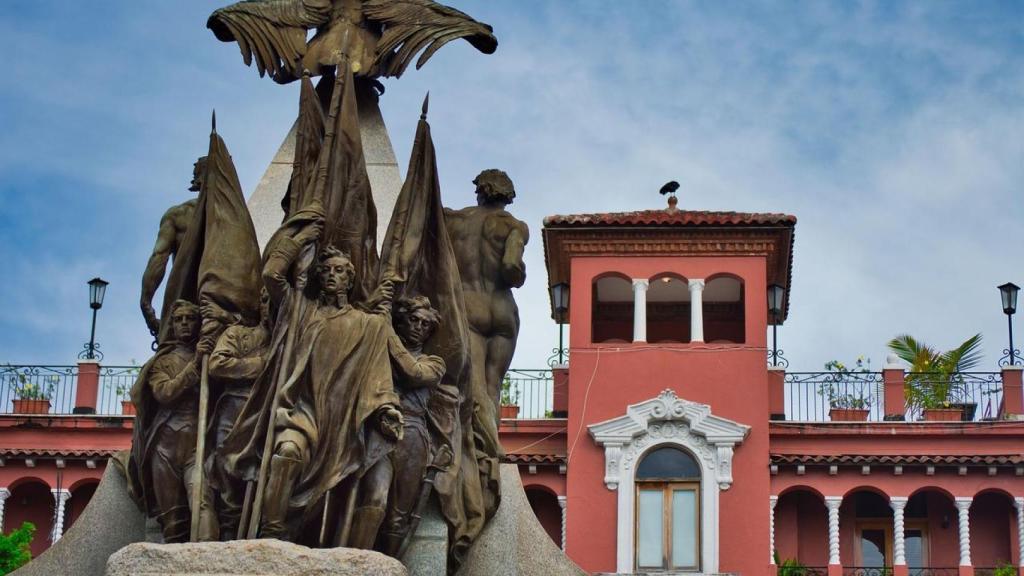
<point>198,173</point>
<point>335,271</point>
<point>494,187</point>
<point>415,320</point>
<point>185,321</point>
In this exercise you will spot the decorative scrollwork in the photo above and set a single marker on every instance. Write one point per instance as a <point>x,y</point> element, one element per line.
<point>559,357</point>
<point>91,351</point>
<point>777,360</point>
<point>1011,358</point>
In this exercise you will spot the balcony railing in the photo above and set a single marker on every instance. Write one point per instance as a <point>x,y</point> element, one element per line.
<point>867,571</point>
<point>810,396</point>
<point>978,394</point>
<point>816,396</point>
<point>801,570</point>
<point>53,390</point>
<point>532,390</point>
<point>937,571</point>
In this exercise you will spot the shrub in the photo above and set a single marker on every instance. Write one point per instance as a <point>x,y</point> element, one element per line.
<point>14,548</point>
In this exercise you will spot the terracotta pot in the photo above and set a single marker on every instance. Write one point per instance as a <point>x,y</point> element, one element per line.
<point>849,414</point>
<point>510,412</point>
<point>127,408</point>
<point>31,406</point>
<point>943,414</point>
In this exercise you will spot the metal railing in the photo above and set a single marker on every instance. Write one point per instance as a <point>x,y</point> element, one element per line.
<point>532,390</point>
<point>978,394</point>
<point>867,571</point>
<point>800,570</point>
<point>811,396</point>
<point>115,388</point>
<point>936,571</point>
<point>47,389</point>
<point>53,390</point>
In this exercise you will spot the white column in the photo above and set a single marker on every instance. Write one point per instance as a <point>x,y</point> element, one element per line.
<point>561,503</point>
<point>1019,502</point>
<point>833,503</point>
<point>963,508</point>
<point>898,504</point>
<point>4,493</point>
<point>696,310</point>
<point>772,501</point>
<point>639,310</point>
<point>60,497</point>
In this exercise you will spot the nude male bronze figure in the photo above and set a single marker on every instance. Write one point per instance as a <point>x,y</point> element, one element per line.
<point>173,225</point>
<point>488,244</point>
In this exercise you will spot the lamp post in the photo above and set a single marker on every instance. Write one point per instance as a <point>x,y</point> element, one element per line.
<point>97,290</point>
<point>1008,292</point>
<point>776,296</point>
<point>560,307</point>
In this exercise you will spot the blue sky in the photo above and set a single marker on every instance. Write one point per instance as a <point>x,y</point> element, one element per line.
<point>893,131</point>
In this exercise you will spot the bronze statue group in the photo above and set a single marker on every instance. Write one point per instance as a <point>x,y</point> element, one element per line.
<point>318,391</point>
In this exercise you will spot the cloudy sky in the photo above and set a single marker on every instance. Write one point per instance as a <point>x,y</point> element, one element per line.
<point>893,131</point>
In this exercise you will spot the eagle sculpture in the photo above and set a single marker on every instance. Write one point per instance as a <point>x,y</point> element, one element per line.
<point>379,37</point>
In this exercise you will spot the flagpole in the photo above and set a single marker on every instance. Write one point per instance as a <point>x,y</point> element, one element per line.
<point>198,479</point>
<point>305,259</point>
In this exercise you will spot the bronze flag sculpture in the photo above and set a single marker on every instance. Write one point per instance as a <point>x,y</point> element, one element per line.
<point>333,423</point>
<point>217,264</point>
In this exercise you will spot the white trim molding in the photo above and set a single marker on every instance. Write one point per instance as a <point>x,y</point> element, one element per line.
<point>668,420</point>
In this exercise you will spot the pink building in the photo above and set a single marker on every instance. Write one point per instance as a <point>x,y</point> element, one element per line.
<point>684,451</point>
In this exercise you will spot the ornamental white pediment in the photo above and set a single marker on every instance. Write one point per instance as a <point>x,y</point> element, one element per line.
<point>668,419</point>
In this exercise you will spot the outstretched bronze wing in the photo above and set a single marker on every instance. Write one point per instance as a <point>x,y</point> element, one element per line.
<point>272,30</point>
<point>409,26</point>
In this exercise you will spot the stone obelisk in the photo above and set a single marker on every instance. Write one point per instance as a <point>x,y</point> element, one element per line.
<point>381,166</point>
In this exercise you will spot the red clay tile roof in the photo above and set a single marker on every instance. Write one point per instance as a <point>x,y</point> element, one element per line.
<point>534,459</point>
<point>671,218</point>
<point>59,452</point>
<point>902,460</point>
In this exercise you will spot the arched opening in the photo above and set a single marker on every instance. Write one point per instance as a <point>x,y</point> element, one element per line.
<point>547,510</point>
<point>31,501</point>
<point>930,537</point>
<point>865,515</point>
<point>81,494</point>
<point>992,519</point>
<point>611,316</point>
<point>668,309</point>
<point>724,317</point>
<point>668,526</point>
<point>801,528</point>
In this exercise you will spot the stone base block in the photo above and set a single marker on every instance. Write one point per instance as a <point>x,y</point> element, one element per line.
<point>248,558</point>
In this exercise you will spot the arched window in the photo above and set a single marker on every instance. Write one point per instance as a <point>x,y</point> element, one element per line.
<point>668,309</point>
<point>612,312</point>
<point>668,511</point>
<point>723,310</point>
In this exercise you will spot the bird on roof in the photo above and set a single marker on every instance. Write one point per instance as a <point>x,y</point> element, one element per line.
<point>669,188</point>
<point>380,38</point>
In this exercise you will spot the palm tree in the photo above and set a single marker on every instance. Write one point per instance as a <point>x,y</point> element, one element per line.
<point>934,380</point>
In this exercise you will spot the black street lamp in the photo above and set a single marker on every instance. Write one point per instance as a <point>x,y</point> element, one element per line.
<point>1008,292</point>
<point>97,290</point>
<point>560,306</point>
<point>776,297</point>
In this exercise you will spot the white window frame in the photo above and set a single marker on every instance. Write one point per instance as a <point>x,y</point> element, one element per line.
<point>668,420</point>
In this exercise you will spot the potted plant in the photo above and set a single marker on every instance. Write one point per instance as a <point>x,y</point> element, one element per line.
<point>847,399</point>
<point>849,408</point>
<point>509,399</point>
<point>121,385</point>
<point>789,567</point>
<point>934,385</point>
<point>32,397</point>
